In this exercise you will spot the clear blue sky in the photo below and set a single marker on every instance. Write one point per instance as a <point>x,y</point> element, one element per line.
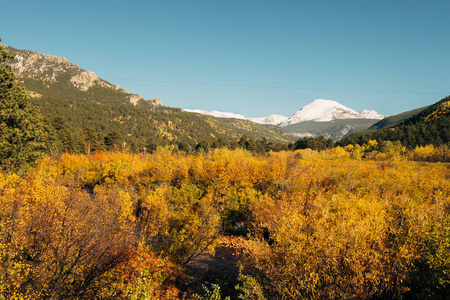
<point>249,57</point>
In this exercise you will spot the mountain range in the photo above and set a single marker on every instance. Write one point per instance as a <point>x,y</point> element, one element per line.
<point>57,85</point>
<point>270,120</point>
<point>89,107</point>
<point>319,118</point>
<point>319,110</point>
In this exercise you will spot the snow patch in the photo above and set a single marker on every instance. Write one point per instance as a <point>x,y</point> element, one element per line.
<point>271,120</point>
<point>371,114</point>
<point>217,114</point>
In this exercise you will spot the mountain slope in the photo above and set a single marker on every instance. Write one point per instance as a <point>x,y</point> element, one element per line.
<point>334,130</point>
<point>317,111</point>
<point>270,120</point>
<point>91,108</point>
<point>429,126</point>
<point>218,114</point>
<point>62,77</point>
<point>396,119</point>
<point>330,119</point>
<point>371,114</point>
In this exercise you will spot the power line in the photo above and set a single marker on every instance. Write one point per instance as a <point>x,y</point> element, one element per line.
<point>273,87</point>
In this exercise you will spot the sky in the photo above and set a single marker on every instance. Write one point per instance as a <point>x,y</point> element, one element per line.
<point>249,57</point>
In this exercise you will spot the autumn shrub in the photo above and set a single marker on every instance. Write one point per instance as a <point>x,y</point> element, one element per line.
<point>430,153</point>
<point>57,241</point>
<point>143,276</point>
<point>337,223</point>
<point>430,276</point>
<point>248,288</point>
<point>152,214</point>
<point>423,153</point>
<point>193,224</point>
<point>346,229</point>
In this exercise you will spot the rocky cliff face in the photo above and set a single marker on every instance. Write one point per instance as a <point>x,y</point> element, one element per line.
<point>155,101</point>
<point>85,80</point>
<point>52,69</point>
<point>39,66</point>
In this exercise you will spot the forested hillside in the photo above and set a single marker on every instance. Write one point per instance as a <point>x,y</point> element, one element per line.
<point>85,113</point>
<point>430,126</point>
<point>396,119</point>
<point>82,108</point>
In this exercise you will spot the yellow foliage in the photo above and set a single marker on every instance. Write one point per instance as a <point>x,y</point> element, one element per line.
<point>443,109</point>
<point>423,153</point>
<point>154,215</point>
<point>339,223</point>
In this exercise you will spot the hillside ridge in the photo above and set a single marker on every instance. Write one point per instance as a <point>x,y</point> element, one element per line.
<point>81,106</point>
<point>50,69</point>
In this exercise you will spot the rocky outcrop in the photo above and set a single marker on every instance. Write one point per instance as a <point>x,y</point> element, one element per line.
<point>134,99</point>
<point>84,80</point>
<point>51,69</point>
<point>155,101</point>
<point>40,66</point>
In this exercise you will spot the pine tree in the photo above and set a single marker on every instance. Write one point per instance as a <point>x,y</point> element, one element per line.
<point>64,136</point>
<point>23,134</point>
<point>113,140</point>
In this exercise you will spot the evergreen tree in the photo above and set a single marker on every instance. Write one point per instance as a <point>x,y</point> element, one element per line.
<point>113,140</point>
<point>91,140</point>
<point>23,135</point>
<point>64,135</point>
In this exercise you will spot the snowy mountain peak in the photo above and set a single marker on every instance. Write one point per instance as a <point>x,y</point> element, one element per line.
<point>371,114</point>
<point>321,110</point>
<point>218,114</point>
<point>270,120</point>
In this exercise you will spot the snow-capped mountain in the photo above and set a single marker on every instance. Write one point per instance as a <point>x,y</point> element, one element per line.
<point>322,111</point>
<point>217,114</point>
<point>270,120</point>
<point>371,114</point>
<point>329,119</point>
<point>320,117</point>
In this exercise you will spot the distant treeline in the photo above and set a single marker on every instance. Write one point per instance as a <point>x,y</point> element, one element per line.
<point>66,139</point>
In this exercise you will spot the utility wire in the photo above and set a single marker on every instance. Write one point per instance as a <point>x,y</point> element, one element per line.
<point>273,87</point>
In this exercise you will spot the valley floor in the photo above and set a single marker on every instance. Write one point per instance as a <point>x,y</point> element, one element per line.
<point>335,224</point>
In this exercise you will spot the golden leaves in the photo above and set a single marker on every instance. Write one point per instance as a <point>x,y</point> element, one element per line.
<point>321,224</point>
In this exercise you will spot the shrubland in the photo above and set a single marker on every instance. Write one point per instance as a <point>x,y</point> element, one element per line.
<point>336,223</point>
